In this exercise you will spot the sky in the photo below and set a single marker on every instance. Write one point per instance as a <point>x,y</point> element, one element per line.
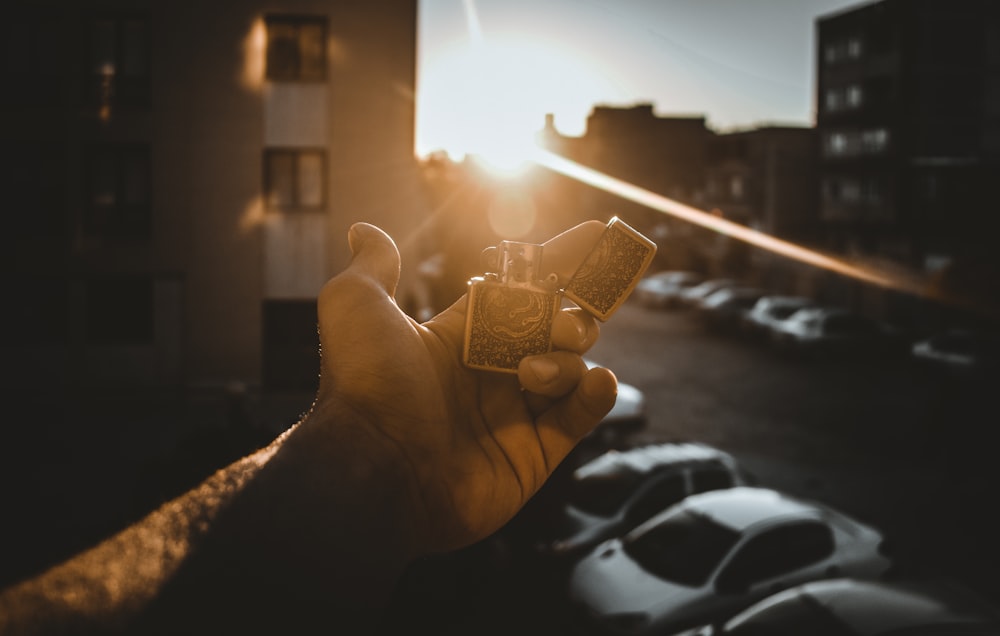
<point>488,71</point>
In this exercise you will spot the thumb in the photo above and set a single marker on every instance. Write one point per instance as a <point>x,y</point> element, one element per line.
<point>374,255</point>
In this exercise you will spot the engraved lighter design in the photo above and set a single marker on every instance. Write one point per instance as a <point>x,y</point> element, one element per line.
<point>509,313</point>
<point>611,270</point>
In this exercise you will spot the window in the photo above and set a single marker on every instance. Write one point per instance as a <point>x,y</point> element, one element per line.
<point>711,478</point>
<point>776,552</point>
<point>120,311</point>
<point>854,96</point>
<point>833,100</point>
<point>875,140</point>
<point>296,48</point>
<point>118,62</point>
<point>854,47</point>
<point>659,496</point>
<point>294,179</point>
<point>836,144</point>
<point>118,201</point>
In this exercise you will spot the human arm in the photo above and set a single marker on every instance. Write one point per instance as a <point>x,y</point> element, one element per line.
<point>404,453</point>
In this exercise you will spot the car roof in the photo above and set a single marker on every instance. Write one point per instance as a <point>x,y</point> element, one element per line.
<point>744,506</point>
<point>646,459</point>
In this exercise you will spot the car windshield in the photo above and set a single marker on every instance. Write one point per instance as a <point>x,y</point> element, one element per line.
<point>684,548</point>
<point>602,495</point>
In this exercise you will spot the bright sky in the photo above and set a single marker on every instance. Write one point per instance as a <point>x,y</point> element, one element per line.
<point>489,70</point>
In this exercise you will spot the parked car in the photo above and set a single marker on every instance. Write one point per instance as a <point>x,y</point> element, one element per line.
<point>770,310</point>
<point>852,607</point>
<point>663,289</point>
<point>726,308</point>
<point>836,332</point>
<point>616,491</point>
<point>694,295</point>
<point>713,555</point>
<point>964,353</point>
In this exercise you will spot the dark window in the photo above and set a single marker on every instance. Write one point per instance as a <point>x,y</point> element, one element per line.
<point>294,178</point>
<point>296,48</point>
<point>120,310</point>
<point>118,62</point>
<point>602,495</point>
<point>684,548</point>
<point>711,478</point>
<point>291,345</point>
<point>776,552</point>
<point>118,201</point>
<point>656,497</point>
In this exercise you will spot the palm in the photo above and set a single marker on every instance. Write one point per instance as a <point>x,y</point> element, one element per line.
<point>476,448</point>
<point>469,436</point>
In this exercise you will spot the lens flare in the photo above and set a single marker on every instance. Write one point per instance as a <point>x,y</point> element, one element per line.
<point>906,282</point>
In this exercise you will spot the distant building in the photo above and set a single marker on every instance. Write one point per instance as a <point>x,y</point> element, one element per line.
<point>908,113</point>
<point>179,178</point>
<point>764,178</point>
<point>665,155</point>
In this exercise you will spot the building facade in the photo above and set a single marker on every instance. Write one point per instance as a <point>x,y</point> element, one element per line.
<point>908,114</point>
<point>181,177</point>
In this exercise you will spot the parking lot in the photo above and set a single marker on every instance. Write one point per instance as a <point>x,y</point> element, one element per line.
<point>877,438</point>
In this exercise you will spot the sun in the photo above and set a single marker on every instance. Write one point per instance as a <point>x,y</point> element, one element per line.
<point>488,97</point>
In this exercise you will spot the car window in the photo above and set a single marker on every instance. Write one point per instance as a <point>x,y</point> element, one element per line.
<point>659,496</point>
<point>711,478</point>
<point>684,548</point>
<point>777,551</point>
<point>602,496</point>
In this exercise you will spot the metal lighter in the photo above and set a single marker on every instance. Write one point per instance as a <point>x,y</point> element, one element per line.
<point>510,311</point>
<point>611,270</point>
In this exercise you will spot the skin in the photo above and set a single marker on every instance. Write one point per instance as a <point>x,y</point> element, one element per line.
<point>405,453</point>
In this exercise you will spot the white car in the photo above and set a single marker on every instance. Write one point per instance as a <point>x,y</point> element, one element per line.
<point>693,296</point>
<point>714,554</point>
<point>835,332</point>
<point>618,490</point>
<point>663,289</point>
<point>768,311</point>
<point>851,607</point>
<point>726,308</point>
<point>964,353</point>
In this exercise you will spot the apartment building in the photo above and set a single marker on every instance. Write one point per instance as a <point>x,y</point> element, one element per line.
<point>180,177</point>
<point>908,114</point>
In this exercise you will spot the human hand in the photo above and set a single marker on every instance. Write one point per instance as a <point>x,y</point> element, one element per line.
<point>471,447</point>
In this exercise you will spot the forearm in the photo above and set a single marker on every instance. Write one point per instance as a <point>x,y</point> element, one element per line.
<point>303,530</point>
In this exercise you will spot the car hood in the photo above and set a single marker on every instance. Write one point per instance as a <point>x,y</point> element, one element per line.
<point>607,582</point>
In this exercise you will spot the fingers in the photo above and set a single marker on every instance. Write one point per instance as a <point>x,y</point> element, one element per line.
<point>374,255</point>
<point>574,330</point>
<point>563,425</point>
<point>552,374</point>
